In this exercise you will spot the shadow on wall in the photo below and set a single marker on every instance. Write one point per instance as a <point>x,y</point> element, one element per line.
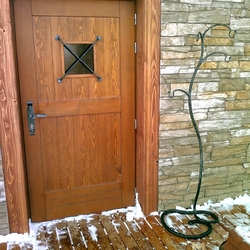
<point>4,224</point>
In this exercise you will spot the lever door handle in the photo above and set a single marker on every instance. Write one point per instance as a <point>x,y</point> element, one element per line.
<point>31,117</point>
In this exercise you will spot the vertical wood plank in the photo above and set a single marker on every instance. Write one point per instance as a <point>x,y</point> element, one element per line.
<point>27,74</point>
<point>128,106</point>
<point>50,154</point>
<point>82,151</point>
<point>112,54</point>
<point>11,139</point>
<point>95,28</point>
<point>148,80</point>
<point>43,50</point>
<point>65,128</point>
<point>93,164</point>
<point>60,27</point>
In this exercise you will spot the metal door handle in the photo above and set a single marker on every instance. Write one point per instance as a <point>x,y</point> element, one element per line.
<point>31,117</point>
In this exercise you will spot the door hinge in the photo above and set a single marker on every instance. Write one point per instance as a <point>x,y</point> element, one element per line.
<point>135,124</point>
<point>135,19</point>
<point>135,46</point>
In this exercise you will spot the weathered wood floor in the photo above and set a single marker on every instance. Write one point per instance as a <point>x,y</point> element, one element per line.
<point>115,232</point>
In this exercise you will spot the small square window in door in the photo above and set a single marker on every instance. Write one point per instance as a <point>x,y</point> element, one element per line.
<point>78,58</point>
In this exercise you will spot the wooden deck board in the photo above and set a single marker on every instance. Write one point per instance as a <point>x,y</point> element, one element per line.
<point>63,235</point>
<point>234,242</point>
<point>125,234</point>
<point>103,240</point>
<point>168,239</point>
<point>51,237</point>
<point>76,236</point>
<point>150,234</point>
<point>141,240</point>
<point>88,240</point>
<point>114,231</point>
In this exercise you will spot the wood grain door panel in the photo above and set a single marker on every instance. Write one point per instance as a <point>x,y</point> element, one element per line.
<point>82,157</point>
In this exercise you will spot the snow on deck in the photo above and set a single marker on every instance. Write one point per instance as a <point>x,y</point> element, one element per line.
<point>130,229</point>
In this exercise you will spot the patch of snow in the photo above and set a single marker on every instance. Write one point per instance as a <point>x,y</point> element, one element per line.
<point>121,210</point>
<point>182,208</point>
<point>242,223</point>
<point>129,216</point>
<point>243,200</point>
<point>92,231</point>
<point>205,206</point>
<point>244,232</point>
<point>227,203</point>
<point>134,212</point>
<point>155,213</point>
<point>115,224</point>
<point>17,238</point>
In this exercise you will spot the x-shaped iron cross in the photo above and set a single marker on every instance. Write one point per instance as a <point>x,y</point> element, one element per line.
<point>78,58</point>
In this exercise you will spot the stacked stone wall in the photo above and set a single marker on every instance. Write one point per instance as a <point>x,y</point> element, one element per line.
<point>220,101</point>
<point>4,224</point>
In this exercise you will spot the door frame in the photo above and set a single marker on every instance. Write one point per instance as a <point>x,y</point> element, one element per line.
<point>147,109</point>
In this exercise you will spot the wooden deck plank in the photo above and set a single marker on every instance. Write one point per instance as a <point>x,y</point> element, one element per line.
<point>168,239</point>
<point>219,211</point>
<point>190,229</point>
<point>177,239</point>
<point>242,217</point>
<point>3,246</point>
<point>112,234</point>
<point>219,235</point>
<point>51,237</point>
<point>13,246</point>
<point>141,240</point>
<point>178,227</point>
<point>235,242</point>
<point>177,224</point>
<point>210,240</point>
<point>114,231</point>
<point>75,235</point>
<point>229,219</point>
<point>63,235</point>
<point>150,234</point>
<point>242,209</point>
<point>221,231</point>
<point>103,240</point>
<point>124,232</point>
<point>41,237</point>
<point>89,235</point>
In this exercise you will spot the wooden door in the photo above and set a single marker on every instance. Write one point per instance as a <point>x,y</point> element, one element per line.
<point>81,158</point>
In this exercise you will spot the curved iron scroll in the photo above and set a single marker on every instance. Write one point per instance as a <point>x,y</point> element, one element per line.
<point>78,58</point>
<point>195,212</point>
